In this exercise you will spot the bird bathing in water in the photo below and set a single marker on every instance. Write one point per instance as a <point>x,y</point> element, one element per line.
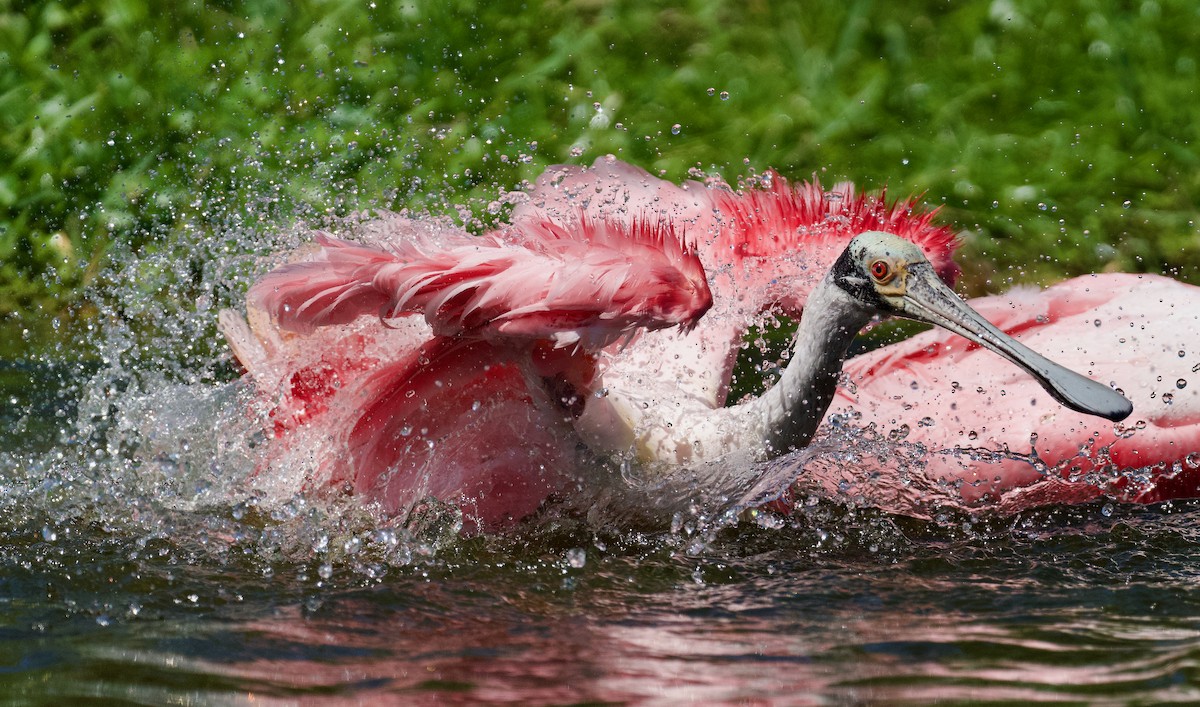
<point>421,361</point>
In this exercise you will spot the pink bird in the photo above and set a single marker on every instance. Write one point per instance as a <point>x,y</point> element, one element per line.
<point>607,318</point>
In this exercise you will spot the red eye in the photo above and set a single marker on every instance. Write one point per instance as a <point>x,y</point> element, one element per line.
<point>881,271</point>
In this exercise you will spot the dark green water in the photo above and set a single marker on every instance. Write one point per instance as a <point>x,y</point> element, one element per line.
<point>1065,606</point>
<point>116,585</point>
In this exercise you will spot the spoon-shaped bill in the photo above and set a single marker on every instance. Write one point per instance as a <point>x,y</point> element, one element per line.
<point>928,299</point>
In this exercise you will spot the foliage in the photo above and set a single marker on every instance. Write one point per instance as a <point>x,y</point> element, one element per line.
<point>1061,135</point>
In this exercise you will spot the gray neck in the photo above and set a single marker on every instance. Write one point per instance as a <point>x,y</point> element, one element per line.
<point>794,407</point>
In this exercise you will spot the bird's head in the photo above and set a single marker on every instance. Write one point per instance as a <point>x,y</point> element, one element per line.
<point>890,275</point>
<point>876,269</point>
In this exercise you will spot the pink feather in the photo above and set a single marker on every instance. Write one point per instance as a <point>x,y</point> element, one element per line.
<point>592,286</point>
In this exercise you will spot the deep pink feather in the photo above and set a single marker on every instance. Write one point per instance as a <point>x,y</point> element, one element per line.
<point>773,218</point>
<point>593,285</point>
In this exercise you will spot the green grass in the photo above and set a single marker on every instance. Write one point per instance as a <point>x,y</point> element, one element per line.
<point>1061,136</point>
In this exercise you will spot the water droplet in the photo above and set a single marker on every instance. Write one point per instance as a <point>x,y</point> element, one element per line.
<point>926,422</point>
<point>712,91</point>
<point>1096,322</point>
<point>724,95</point>
<point>1168,398</point>
<point>1181,383</point>
<point>972,435</point>
<point>1126,204</point>
<point>48,534</point>
<point>676,129</point>
<point>577,557</point>
<point>325,571</point>
<point>1107,510</point>
<point>1182,353</point>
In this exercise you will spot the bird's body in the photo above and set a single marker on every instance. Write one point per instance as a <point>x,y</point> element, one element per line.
<point>489,400</point>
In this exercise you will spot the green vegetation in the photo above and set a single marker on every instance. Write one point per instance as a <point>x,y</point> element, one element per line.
<point>1061,135</point>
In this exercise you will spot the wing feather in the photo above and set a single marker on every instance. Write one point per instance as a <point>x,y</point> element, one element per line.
<point>593,284</point>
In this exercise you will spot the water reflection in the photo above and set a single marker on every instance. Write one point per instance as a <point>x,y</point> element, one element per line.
<point>759,630</point>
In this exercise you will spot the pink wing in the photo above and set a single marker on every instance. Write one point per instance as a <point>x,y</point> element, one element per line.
<point>399,416</point>
<point>1137,332</point>
<point>615,192</point>
<point>592,284</point>
<point>457,421</point>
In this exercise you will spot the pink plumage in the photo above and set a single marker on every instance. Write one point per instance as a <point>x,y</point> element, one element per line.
<point>771,241</point>
<point>396,415</point>
<point>775,218</point>
<point>1134,331</point>
<point>593,285</point>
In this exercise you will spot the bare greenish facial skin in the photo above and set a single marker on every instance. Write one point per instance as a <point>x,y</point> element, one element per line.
<point>893,275</point>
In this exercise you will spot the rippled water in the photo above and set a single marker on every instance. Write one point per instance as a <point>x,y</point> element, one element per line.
<point>1077,607</point>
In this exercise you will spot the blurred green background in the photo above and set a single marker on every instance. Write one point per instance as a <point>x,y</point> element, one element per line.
<point>1059,135</point>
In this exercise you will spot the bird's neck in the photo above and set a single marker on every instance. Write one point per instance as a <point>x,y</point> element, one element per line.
<point>793,408</point>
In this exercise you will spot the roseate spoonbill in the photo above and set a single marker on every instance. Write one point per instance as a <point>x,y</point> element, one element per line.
<point>520,347</point>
